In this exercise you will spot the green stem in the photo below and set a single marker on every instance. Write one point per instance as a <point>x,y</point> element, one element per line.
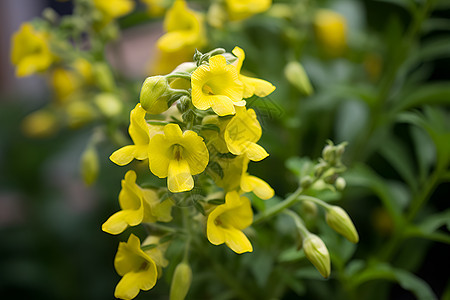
<point>183,75</point>
<point>276,209</point>
<point>304,232</point>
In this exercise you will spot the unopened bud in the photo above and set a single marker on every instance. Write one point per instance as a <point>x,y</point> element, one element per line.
<point>154,94</point>
<point>104,77</point>
<point>328,153</point>
<point>296,76</point>
<point>320,169</point>
<point>317,253</point>
<point>340,183</point>
<point>181,281</point>
<point>339,220</point>
<point>184,103</point>
<point>309,208</point>
<point>89,165</point>
<point>306,182</point>
<point>108,104</point>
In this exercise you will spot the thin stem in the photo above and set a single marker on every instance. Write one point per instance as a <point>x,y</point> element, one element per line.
<point>276,209</point>
<point>304,232</point>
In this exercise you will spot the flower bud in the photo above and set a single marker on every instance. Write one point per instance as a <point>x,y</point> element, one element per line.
<point>340,183</point>
<point>104,77</point>
<point>108,104</point>
<point>309,208</point>
<point>154,94</point>
<point>296,76</point>
<point>181,281</point>
<point>317,253</point>
<point>89,165</point>
<point>306,182</point>
<point>339,220</point>
<point>328,153</point>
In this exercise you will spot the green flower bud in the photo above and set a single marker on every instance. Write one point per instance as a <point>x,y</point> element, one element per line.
<point>108,104</point>
<point>181,281</point>
<point>328,153</point>
<point>104,77</point>
<point>317,253</point>
<point>320,169</point>
<point>309,207</point>
<point>89,165</point>
<point>296,76</point>
<point>154,94</point>
<point>340,183</point>
<point>339,220</point>
<point>306,182</point>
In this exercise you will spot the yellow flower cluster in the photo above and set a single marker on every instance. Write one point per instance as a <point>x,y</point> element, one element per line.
<point>216,138</point>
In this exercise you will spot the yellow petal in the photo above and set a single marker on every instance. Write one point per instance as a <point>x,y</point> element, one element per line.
<point>158,158</point>
<point>194,152</point>
<point>255,152</point>
<point>138,129</point>
<point>174,41</point>
<point>163,211</point>
<point>179,177</point>
<point>222,105</point>
<point>119,221</point>
<point>240,54</point>
<point>130,284</point>
<point>256,185</point>
<point>123,156</point>
<point>259,87</point>
<point>237,241</point>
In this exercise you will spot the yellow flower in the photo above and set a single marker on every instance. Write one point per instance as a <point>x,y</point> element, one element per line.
<point>177,155</point>
<point>40,124</point>
<point>226,222</point>
<point>235,177</point>
<point>252,86</point>
<point>137,268</point>
<point>184,29</point>
<point>112,9</point>
<point>217,86</point>
<point>242,9</point>
<point>157,253</point>
<point>331,31</point>
<point>155,8</point>
<point>138,205</point>
<point>65,83</point>
<point>140,133</point>
<point>30,52</point>
<point>214,138</point>
<point>242,133</point>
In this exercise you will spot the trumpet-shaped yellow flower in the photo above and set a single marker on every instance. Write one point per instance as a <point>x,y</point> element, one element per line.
<point>252,86</point>
<point>138,205</point>
<point>30,52</point>
<point>184,29</point>
<point>331,31</point>
<point>177,155</point>
<point>242,133</point>
<point>235,177</point>
<point>217,85</point>
<point>137,268</point>
<point>242,9</point>
<point>226,222</point>
<point>112,9</point>
<point>140,133</point>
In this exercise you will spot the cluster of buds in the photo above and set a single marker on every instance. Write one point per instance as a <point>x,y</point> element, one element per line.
<point>325,174</point>
<point>193,128</point>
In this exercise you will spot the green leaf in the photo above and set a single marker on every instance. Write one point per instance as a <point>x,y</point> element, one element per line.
<point>405,279</point>
<point>362,176</point>
<point>299,166</point>
<point>435,221</point>
<point>432,93</point>
<point>425,151</point>
<point>216,201</point>
<point>398,155</point>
